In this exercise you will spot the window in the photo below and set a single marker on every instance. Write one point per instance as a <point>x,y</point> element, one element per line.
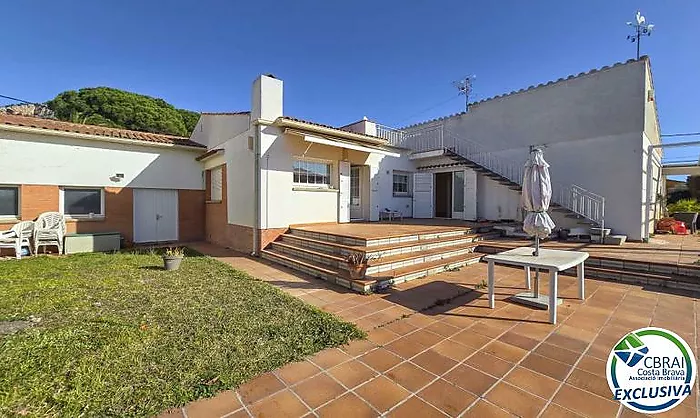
<point>216,184</point>
<point>82,202</point>
<point>312,173</point>
<point>401,184</point>
<point>9,202</point>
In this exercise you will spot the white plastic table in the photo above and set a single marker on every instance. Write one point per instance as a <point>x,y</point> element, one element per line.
<point>553,261</point>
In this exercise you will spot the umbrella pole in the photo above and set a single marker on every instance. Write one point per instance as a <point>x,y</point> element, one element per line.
<point>536,289</point>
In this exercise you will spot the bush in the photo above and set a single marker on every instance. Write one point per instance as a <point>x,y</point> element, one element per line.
<point>684,205</point>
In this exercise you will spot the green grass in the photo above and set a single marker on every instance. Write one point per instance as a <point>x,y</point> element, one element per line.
<point>120,337</point>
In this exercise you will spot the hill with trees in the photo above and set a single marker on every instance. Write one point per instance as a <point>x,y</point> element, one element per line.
<point>114,108</point>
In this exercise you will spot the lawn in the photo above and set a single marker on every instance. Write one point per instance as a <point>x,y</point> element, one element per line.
<point>114,335</point>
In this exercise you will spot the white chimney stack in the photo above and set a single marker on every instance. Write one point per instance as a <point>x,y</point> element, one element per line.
<point>266,102</point>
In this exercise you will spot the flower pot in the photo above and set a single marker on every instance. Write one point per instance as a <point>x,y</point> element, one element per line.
<point>171,262</point>
<point>357,271</point>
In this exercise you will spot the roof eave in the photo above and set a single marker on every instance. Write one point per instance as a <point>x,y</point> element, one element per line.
<point>288,123</point>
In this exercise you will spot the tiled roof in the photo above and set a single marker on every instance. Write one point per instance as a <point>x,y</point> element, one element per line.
<point>56,125</point>
<point>530,88</point>
<point>330,127</point>
<point>246,112</point>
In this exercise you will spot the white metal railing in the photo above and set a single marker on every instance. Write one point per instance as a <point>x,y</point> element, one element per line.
<point>436,137</point>
<point>393,135</point>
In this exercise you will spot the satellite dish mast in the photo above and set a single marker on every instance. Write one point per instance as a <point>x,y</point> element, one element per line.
<point>641,28</point>
<point>464,86</point>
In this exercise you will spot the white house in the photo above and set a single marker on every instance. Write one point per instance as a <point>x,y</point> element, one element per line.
<point>243,178</point>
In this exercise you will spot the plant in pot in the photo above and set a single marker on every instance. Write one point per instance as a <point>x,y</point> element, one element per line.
<point>357,264</point>
<point>173,257</point>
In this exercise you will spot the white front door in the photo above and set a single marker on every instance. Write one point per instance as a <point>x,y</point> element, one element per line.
<point>155,215</point>
<point>423,195</point>
<point>458,184</point>
<point>355,193</point>
<point>344,192</point>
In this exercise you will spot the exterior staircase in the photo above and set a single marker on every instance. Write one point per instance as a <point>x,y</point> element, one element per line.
<point>400,258</point>
<point>574,202</point>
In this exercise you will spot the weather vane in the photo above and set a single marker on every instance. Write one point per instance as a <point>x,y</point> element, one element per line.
<point>464,86</point>
<point>641,28</point>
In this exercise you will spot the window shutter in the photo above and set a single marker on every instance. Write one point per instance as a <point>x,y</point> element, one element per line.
<point>216,183</point>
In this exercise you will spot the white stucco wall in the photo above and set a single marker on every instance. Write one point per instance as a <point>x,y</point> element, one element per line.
<point>213,130</point>
<point>240,184</point>
<point>382,183</point>
<point>57,160</point>
<point>591,127</point>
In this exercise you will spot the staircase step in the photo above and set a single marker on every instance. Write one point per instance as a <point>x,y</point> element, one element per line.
<point>386,250</point>
<point>375,281</point>
<point>637,277</point>
<point>384,240</point>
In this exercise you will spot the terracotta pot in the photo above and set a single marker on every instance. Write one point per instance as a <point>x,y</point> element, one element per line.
<point>357,271</point>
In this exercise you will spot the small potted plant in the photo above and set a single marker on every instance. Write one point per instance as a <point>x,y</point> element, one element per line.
<point>173,257</point>
<point>357,264</point>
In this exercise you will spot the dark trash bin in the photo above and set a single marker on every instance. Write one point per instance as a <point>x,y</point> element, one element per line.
<point>690,219</point>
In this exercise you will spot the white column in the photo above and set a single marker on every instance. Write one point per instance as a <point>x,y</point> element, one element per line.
<point>553,278</point>
<point>491,283</point>
<point>470,212</point>
<point>580,273</point>
<point>528,281</point>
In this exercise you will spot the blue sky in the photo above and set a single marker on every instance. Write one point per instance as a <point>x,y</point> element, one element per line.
<point>389,60</point>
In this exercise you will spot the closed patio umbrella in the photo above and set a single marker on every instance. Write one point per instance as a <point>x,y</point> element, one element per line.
<point>536,194</point>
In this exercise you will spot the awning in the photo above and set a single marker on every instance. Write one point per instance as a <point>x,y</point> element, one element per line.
<point>344,144</point>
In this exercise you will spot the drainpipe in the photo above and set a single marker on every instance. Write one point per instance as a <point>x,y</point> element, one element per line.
<point>256,204</point>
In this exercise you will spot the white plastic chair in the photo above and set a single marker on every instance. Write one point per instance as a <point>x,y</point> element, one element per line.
<point>49,231</point>
<point>17,237</point>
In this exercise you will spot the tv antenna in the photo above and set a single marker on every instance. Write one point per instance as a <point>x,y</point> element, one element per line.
<point>641,28</point>
<point>464,86</point>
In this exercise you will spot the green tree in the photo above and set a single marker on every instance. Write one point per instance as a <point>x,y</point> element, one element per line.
<point>116,108</point>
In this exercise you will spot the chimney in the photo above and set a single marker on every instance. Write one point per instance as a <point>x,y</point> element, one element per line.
<point>266,102</point>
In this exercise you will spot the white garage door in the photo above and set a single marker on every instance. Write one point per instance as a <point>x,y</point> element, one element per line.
<point>155,215</point>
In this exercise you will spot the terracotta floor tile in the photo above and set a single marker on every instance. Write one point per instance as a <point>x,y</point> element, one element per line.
<point>443,328</point>
<point>329,358</point>
<point>556,411</point>
<point>410,376</point>
<point>470,379</point>
<point>381,359</point>
<point>536,330</point>
<point>318,390</point>
<point>381,336</point>
<point>521,341</point>
<point>447,397</point>
<point>260,387</point>
<point>400,327</point>
<point>557,353</point>
<point>567,342</point>
<point>453,350</point>
<point>517,401</point>
<point>585,403</point>
<point>358,347</point>
<point>434,362</point>
<point>595,383</point>
<point>425,338</point>
<point>415,407</point>
<point>241,413</point>
<point>216,406</point>
<point>296,372</point>
<point>405,347</point>
<point>472,339</point>
<point>352,373</point>
<point>490,329</point>
<point>419,320</point>
<point>530,381</point>
<point>281,404</point>
<point>592,365</point>
<point>485,409</point>
<point>548,367</point>
<point>489,364</point>
<point>345,406</point>
<point>382,393</point>
<point>504,351</point>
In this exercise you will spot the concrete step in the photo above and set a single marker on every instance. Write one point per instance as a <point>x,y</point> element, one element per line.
<point>380,241</point>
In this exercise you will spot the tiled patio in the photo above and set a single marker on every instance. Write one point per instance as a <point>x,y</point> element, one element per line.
<point>675,249</point>
<point>435,349</point>
<point>386,229</point>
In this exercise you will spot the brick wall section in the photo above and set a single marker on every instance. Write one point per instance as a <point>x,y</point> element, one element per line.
<point>191,213</point>
<point>37,199</point>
